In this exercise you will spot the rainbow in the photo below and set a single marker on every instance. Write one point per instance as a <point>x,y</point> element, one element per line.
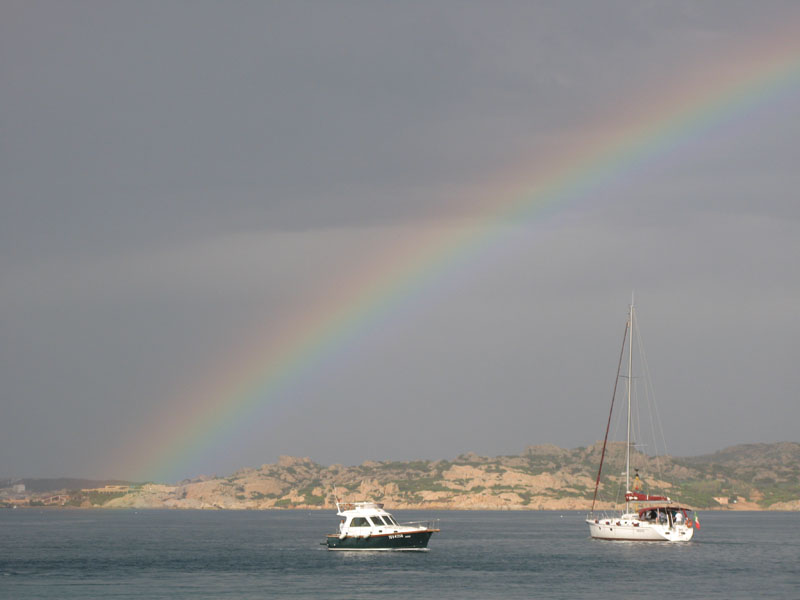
<point>696,103</point>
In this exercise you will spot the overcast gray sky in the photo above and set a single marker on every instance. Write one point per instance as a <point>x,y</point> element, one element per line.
<point>179,177</point>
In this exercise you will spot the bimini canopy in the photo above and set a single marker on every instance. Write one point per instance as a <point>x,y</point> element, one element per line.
<point>639,497</point>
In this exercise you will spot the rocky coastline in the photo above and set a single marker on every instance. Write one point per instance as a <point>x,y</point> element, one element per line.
<point>544,477</point>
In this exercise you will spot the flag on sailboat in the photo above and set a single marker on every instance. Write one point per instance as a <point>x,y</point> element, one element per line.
<point>696,520</point>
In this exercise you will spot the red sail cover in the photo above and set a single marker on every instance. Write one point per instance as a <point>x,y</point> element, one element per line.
<point>637,497</point>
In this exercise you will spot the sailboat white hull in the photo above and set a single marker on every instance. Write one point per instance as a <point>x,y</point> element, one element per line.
<point>633,530</point>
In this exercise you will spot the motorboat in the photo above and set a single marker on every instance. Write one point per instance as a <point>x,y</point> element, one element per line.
<point>367,526</point>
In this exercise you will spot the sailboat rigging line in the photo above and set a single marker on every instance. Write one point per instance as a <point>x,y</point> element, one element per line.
<point>660,443</point>
<point>610,412</point>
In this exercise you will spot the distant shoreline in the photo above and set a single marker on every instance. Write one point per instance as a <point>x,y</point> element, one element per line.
<point>749,477</point>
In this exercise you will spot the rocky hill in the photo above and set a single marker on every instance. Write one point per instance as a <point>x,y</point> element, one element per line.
<point>753,477</point>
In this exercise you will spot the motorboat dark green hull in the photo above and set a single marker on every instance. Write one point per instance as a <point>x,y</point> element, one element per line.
<point>410,540</point>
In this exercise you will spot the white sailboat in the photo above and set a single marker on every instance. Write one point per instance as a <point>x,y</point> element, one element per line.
<point>651,518</point>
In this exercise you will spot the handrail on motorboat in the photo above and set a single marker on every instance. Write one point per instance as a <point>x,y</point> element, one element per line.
<point>342,506</point>
<point>432,524</point>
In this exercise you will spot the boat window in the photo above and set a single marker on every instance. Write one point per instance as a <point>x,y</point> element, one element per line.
<point>359,522</point>
<point>377,521</point>
<point>391,520</point>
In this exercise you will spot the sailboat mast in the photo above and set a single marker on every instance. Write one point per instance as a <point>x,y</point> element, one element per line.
<point>630,378</point>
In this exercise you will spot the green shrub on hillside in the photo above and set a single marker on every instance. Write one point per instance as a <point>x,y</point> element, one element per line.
<point>780,492</point>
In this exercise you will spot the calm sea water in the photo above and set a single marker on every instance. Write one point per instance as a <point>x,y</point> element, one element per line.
<point>277,554</point>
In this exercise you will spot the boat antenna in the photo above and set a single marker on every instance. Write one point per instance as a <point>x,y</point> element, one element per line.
<point>610,412</point>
